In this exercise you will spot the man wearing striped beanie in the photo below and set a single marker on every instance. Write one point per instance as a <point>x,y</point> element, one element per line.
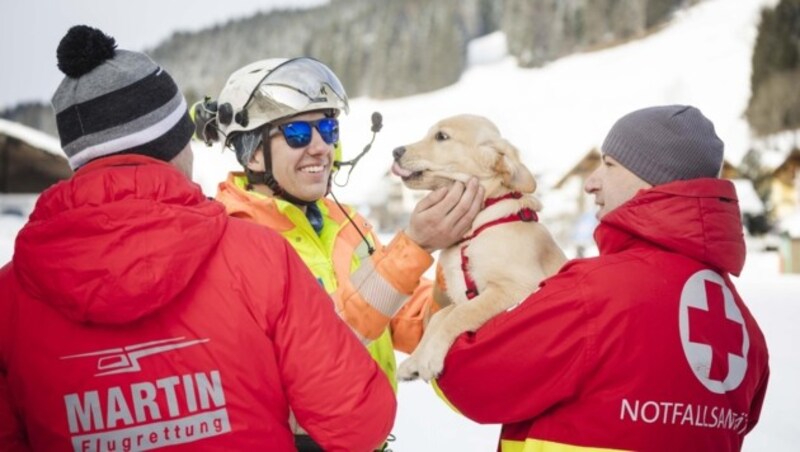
<point>116,102</point>
<point>133,303</point>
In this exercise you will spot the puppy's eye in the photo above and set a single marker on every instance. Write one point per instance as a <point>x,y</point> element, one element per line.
<point>441,136</point>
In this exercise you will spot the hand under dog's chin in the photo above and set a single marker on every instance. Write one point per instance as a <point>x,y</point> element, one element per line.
<point>431,180</point>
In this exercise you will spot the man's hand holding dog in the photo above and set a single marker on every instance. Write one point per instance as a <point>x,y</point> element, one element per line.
<point>445,215</point>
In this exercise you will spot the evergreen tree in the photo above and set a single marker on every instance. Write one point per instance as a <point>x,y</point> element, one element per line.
<point>775,98</point>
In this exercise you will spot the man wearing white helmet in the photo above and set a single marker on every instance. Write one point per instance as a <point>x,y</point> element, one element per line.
<point>280,118</point>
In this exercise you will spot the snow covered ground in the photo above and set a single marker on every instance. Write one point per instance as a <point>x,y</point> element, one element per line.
<point>555,115</point>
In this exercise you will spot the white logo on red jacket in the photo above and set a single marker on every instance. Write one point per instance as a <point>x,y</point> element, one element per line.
<point>126,359</point>
<point>713,333</point>
<point>145,414</point>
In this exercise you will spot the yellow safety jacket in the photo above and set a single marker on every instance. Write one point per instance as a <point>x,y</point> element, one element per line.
<point>381,297</point>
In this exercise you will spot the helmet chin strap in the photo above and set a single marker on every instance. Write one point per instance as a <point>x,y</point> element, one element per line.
<point>267,178</point>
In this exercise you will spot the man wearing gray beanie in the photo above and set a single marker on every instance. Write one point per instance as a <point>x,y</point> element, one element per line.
<point>648,346</point>
<point>136,314</point>
<point>665,144</point>
<point>657,145</point>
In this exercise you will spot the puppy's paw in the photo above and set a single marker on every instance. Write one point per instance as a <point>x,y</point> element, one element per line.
<point>430,364</point>
<point>407,371</point>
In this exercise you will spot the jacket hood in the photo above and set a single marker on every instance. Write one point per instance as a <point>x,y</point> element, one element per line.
<point>118,240</point>
<point>699,219</point>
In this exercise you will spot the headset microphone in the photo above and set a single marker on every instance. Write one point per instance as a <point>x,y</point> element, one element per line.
<point>377,124</point>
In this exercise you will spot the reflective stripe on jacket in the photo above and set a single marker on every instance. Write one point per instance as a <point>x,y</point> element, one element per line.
<point>371,293</point>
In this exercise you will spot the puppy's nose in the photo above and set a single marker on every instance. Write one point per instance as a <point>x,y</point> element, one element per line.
<point>398,152</point>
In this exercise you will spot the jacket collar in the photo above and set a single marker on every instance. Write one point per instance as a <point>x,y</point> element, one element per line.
<point>699,218</point>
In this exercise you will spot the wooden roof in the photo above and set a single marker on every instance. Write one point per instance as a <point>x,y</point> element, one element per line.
<point>30,161</point>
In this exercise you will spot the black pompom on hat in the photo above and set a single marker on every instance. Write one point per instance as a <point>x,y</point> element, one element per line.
<point>115,101</point>
<point>83,49</point>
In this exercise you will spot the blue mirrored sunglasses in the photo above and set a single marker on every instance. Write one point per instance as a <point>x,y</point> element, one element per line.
<point>298,133</point>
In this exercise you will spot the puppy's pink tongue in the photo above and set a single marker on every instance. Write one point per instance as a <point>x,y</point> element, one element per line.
<point>398,170</point>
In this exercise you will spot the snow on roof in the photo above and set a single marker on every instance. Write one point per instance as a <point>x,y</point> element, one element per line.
<point>776,147</point>
<point>791,225</point>
<point>749,202</point>
<point>33,137</point>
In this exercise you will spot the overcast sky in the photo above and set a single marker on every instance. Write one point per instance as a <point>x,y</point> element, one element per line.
<point>31,29</point>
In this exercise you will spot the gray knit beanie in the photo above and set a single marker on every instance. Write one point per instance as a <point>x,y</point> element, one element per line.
<point>115,101</point>
<point>665,144</point>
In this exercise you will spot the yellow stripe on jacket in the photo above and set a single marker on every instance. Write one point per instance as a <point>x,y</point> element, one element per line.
<point>536,445</point>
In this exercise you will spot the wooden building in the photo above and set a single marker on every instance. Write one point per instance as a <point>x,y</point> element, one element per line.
<point>573,219</point>
<point>30,161</point>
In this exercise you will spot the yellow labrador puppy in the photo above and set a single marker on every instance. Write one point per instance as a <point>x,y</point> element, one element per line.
<point>507,251</point>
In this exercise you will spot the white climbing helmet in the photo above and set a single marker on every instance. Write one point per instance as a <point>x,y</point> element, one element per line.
<point>268,90</point>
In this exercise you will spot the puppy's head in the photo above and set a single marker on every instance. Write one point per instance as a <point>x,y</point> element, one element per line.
<point>458,148</point>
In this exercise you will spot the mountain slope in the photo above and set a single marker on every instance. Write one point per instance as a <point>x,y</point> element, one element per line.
<point>557,113</point>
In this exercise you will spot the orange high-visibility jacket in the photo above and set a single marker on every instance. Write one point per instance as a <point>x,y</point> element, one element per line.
<point>382,297</point>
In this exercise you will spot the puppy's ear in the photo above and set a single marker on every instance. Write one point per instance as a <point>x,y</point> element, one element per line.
<point>515,175</point>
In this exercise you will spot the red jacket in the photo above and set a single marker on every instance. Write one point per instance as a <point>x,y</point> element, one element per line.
<point>646,347</point>
<point>135,314</point>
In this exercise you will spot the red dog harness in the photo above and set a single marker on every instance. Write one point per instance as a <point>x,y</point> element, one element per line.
<point>525,214</point>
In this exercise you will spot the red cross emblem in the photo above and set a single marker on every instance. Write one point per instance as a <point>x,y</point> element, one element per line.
<point>712,327</point>
<point>713,332</point>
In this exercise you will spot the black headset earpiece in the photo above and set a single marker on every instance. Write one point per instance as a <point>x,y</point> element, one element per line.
<point>241,118</point>
<point>225,114</point>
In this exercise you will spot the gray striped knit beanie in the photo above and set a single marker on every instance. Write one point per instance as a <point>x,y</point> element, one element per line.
<point>665,144</point>
<point>115,102</point>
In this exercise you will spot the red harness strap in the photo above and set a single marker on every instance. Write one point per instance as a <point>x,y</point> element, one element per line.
<point>526,214</point>
<point>511,195</point>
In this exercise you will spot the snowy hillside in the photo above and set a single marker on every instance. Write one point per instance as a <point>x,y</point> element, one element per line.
<point>557,113</point>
